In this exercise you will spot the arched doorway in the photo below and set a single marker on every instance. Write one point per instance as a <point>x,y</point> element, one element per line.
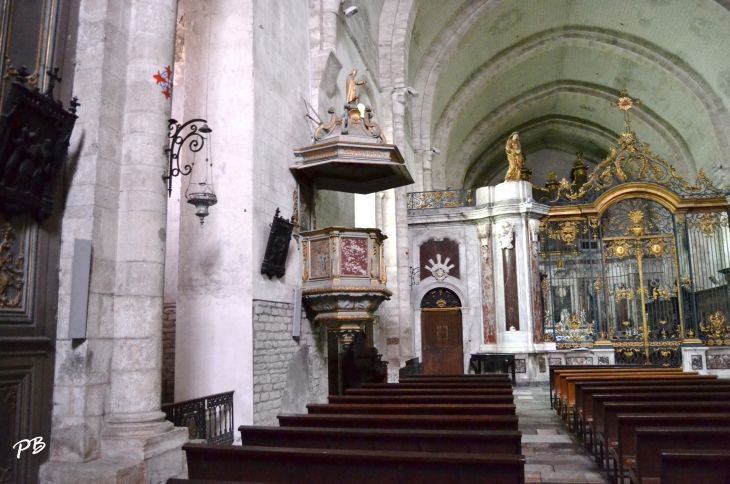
<point>441,333</point>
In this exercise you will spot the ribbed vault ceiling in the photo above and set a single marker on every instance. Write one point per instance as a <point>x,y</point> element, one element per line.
<point>549,68</point>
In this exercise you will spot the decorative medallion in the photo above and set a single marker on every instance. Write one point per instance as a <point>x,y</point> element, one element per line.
<point>439,270</point>
<point>619,248</point>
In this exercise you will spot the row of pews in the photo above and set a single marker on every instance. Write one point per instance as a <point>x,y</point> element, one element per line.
<point>425,429</point>
<point>648,424</point>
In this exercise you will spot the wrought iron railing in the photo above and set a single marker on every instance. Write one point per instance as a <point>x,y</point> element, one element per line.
<point>441,199</point>
<point>209,418</point>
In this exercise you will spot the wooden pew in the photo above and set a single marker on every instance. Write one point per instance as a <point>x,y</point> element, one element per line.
<point>456,379</point>
<point>432,399</point>
<point>637,393</point>
<point>557,369</point>
<point>335,466</point>
<point>553,368</point>
<point>415,422</point>
<point>629,421</point>
<point>465,441</point>
<point>565,390</point>
<point>411,409</point>
<point>651,442</point>
<point>610,435</point>
<point>394,391</point>
<point>445,385</point>
<point>658,378</point>
<point>560,376</point>
<point>585,390</point>
<point>696,466</point>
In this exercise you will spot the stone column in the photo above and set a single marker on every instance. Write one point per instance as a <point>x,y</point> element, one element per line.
<point>107,424</point>
<point>135,428</point>
<point>214,335</point>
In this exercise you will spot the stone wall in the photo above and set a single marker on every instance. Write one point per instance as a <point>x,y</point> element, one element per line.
<point>288,373</point>
<point>169,314</point>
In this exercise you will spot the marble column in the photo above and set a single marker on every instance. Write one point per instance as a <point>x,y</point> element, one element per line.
<point>487,285</point>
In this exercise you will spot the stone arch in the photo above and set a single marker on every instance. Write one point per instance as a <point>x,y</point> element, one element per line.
<point>472,143</point>
<point>548,39</point>
<point>441,298</point>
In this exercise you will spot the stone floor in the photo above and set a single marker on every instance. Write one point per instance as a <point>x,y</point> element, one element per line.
<point>552,454</point>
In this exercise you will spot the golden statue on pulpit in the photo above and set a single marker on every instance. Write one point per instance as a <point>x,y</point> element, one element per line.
<point>515,158</point>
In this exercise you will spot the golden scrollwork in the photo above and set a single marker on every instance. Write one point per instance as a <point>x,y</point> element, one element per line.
<point>598,285</point>
<point>660,292</point>
<point>708,223</point>
<point>717,331</point>
<point>567,231</point>
<point>11,270</point>
<point>624,292</point>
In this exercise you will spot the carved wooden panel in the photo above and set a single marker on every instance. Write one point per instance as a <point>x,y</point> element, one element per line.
<point>17,262</point>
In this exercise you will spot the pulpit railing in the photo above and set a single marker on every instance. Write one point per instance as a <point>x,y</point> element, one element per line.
<point>209,418</point>
<point>441,199</point>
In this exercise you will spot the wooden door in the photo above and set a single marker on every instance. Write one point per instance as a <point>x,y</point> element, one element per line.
<point>28,299</point>
<point>441,342</point>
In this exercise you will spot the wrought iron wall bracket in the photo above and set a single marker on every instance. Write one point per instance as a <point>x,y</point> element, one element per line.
<point>190,133</point>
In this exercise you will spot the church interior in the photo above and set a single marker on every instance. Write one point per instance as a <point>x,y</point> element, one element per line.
<point>342,241</point>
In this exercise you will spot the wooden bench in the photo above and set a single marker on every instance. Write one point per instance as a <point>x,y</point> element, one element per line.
<point>432,399</point>
<point>553,368</point>
<point>466,441</point>
<point>394,391</point>
<point>651,442</point>
<point>422,422</point>
<point>558,375</point>
<point>445,385</point>
<point>658,393</point>
<point>456,379</point>
<point>411,409</point>
<point>335,466</point>
<point>610,435</point>
<point>584,390</point>
<point>565,391</point>
<point>696,466</point>
<point>647,379</point>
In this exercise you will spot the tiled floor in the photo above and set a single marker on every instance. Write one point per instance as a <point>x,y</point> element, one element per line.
<point>552,454</point>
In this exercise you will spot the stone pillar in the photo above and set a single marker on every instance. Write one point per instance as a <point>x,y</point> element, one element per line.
<point>515,229</point>
<point>107,395</point>
<point>214,334</point>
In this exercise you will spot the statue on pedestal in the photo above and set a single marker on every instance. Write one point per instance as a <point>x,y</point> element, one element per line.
<point>515,158</point>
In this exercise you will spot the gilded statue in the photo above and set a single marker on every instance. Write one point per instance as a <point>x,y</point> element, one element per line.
<point>351,87</point>
<point>515,158</point>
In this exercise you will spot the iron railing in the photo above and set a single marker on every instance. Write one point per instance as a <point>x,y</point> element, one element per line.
<point>441,199</point>
<point>209,418</point>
